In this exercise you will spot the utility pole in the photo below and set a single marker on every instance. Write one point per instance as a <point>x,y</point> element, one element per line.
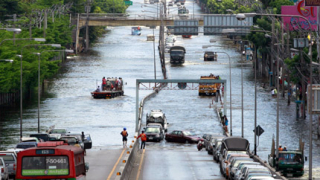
<point>272,55</point>
<point>45,23</point>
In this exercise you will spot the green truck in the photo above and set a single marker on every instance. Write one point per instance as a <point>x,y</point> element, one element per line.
<point>290,163</point>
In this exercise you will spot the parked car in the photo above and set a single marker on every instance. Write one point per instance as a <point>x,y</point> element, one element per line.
<point>211,142</point>
<point>10,160</point>
<point>213,146</point>
<point>216,154</point>
<point>237,165</point>
<point>29,139</point>
<point>25,145</point>
<point>4,170</point>
<point>248,168</point>
<point>41,136</point>
<point>86,139</point>
<point>170,3</point>
<point>154,132</point>
<point>182,136</point>
<point>209,56</point>
<point>226,162</point>
<point>235,161</point>
<point>73,140</point>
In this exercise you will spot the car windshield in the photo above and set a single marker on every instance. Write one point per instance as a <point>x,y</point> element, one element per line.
<point>188,133</point>
<point>152,130</point>
<point>176,52</point>
<point>7,157</point>
<point>290,158</point>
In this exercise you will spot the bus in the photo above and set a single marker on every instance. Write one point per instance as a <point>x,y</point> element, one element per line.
<point>51,160</point>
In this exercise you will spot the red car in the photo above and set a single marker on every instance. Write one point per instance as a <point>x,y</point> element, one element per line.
<point>182,136</point>
<point>186,36</point>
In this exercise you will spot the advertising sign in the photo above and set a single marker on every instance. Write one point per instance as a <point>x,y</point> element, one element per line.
<point>312,3</point>
<point>299,9</point>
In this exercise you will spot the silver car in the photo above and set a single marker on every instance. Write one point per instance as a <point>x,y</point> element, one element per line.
<point>3,170</point>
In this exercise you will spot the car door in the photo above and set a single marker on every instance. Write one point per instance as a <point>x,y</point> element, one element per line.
<point>178,136</point>
<point>172,136</point>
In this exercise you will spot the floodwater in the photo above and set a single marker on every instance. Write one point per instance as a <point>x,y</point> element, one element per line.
<point>67,102</point>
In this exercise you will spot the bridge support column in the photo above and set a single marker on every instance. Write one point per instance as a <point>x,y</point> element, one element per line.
<point>87,36</point>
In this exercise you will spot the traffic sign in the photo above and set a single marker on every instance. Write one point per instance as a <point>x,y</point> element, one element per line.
<point>128,3</point>
<point>259,130</point>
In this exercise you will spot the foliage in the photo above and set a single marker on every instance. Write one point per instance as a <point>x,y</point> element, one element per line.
<point>276,4</point>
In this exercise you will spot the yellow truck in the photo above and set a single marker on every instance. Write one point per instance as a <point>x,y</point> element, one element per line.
<point>209,89</point>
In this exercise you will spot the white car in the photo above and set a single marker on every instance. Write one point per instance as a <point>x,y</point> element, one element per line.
<point>170,4</point>
<point>178,4</point>
<point>4,170</point>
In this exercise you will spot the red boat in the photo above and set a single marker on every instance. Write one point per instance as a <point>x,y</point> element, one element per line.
<point>107,92</point>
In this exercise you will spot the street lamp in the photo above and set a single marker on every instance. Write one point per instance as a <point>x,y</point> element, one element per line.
<point>53,45</point>
<point>35,39</point>
<point>6,60</point>
<point>16,30</point>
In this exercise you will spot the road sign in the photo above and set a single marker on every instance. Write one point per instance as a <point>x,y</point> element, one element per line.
<point>128,3</point>
<point>259,130</point>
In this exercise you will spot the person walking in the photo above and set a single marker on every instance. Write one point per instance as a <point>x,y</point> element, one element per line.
<point>124,134</point>
<point>143,137</point>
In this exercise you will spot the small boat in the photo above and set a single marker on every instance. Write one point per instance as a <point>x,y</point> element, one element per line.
<point>136,30</point>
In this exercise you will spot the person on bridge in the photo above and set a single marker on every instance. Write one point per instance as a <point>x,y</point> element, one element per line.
<point>143,137</point>
<point>124,134</point>
<point>284,148</point>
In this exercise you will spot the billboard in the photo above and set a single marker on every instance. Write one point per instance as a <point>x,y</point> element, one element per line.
<point>312,3</point>
<point>299,9</point>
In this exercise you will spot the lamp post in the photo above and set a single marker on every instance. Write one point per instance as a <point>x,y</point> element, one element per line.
<point>6,60</point>
<point>53,45</point>
<point>14,30</point>
<point>242,17</point>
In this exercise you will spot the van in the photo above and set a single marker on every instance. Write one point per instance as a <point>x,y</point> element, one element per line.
<point>41,136</point>
<point>10,159</point>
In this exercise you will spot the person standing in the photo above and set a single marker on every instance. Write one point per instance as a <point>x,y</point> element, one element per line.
<point>124,134</point>
<point>143,137</point>
<point>116,84</point>
<point>104,82</point>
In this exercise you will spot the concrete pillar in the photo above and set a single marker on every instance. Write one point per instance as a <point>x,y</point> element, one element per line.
<point>77,35</point>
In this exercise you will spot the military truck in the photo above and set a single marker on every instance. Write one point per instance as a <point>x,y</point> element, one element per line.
<point>177,54</point>
<point>290,163</point>
<point>157,116</point>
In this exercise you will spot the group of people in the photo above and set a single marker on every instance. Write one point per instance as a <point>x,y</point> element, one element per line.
<point>282,149</point>
<point>125,134</point>
<point>110,84</point>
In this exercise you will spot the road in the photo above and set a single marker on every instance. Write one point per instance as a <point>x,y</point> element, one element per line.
<point>67,101</point>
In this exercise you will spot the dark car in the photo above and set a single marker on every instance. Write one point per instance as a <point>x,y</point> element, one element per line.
<point>209,56</point>
<point>182,136</point>
<point>25,145</point>
<point>85,140</point>
<point>154,133</point>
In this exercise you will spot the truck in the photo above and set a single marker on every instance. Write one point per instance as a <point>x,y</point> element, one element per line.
<point>290,162</point>
<point>209,89</point>
<point>157,116</point>
<point>177,54</point>
<point>108,93</point>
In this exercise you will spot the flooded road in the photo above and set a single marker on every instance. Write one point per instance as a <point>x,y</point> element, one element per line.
<point>68,102</point>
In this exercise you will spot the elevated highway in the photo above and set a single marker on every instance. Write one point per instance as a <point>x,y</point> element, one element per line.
<point>97,19</point>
